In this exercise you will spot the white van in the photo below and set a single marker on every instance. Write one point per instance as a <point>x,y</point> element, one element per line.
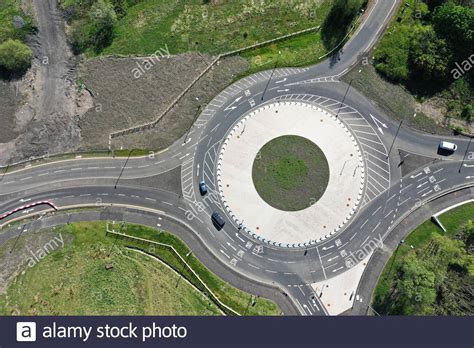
<point>445,145</point>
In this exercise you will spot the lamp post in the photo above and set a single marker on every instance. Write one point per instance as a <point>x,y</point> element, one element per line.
<point>271,75</point>
<point>194,120</point>
<point>394,257</point>
<point>394,138</point>
<point>123,168</point>
<point>116,237</point>
<point>465,153</point>
<point>344,98</point>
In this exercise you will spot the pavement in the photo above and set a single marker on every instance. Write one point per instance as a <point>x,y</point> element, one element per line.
<point>391,194</point>
<point>324,217</point>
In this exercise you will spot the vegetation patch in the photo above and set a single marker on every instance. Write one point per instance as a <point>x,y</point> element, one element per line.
<point>212,27</point>
<point>427,51</point>
<point>15,55</point>
<point>432,273</point>
<point>290,173</point>
<point>93,274</point>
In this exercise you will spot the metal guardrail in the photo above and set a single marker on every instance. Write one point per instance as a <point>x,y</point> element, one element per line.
<point>153,123</point>
<point>222,305</point>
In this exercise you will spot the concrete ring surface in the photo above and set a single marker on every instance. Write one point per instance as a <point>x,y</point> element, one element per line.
<point>305,227</point>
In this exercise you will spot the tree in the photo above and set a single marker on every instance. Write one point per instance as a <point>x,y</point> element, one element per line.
<point>15,56</point>
<point>416,286</point>
<point>392,55</point>
<point>429,55</point>
<point>338,22</point>
<point>102,19</point>
<point>95,31</point>
<point>456,24</point>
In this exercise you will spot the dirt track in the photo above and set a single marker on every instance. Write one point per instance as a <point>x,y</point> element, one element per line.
<point>52,117</point>
<point>48,123</point>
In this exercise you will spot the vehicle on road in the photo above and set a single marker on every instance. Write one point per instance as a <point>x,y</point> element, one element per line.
<point>447,146</point>
<point>217,220</point>
<point>202,188</point>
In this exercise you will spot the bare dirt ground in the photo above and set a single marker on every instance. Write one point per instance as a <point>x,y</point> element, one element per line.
<point>53,109</point>
<point>120,100</point>
<point>9,102</point>
<point>180,118</point>
<point>47,122</point>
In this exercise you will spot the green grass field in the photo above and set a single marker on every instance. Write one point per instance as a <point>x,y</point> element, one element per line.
<point>212,28</point>
<point>290,173</point>
<point>74,280</point>
<point>418,241</point>
<point>217,27</point>
<point>238,300</point>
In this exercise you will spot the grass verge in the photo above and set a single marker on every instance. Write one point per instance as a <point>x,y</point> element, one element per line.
<point>96,275</point>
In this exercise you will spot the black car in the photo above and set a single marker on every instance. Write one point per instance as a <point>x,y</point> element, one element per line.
<point>202,188</point>
<point>217,220</point>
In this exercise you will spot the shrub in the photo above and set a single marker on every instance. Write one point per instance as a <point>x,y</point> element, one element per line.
<point>96,30</point>
<point>456,24</point>
<point>429,55</point>
<point>15,56</point>
<point>392,55</point>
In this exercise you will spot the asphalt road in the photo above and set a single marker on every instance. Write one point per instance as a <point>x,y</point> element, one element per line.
<point>389,196</point>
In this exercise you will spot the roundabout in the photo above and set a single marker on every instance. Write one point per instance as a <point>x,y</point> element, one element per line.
<point>290,174</point>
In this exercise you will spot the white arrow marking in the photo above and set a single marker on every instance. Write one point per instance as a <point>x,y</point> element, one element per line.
<point>420,185</point>
<point>283,90</point>
<point>280,81</point>
<point>415,176</point>
<point>333,258</point>
<point>222,251</point>
<point>25,200</point>
<point>231,107</point>
<point>468,165</point>
<point>378,123</point>
<point>327,248</point>
<point>197,174</point>
<point>469,177</point>
<point>337,269</point>
<point>427,193</point>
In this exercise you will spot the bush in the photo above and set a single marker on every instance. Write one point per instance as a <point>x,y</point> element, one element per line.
<point>15,56</point>
<point>392,55</point>
<point>429,55</point>
<point>456,24</point>
<point>96,31</point>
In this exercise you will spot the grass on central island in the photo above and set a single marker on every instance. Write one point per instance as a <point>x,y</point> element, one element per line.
<point>290,173</point>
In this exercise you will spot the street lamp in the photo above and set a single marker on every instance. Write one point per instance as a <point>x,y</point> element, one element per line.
<point>394,257</point>
<point>116,237</point>
<point>344,98</point>
<point>271,75</point>
<point>194,120</point>
<point>394,138</point>
<point>464,157</point>
<point>123,168</point>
